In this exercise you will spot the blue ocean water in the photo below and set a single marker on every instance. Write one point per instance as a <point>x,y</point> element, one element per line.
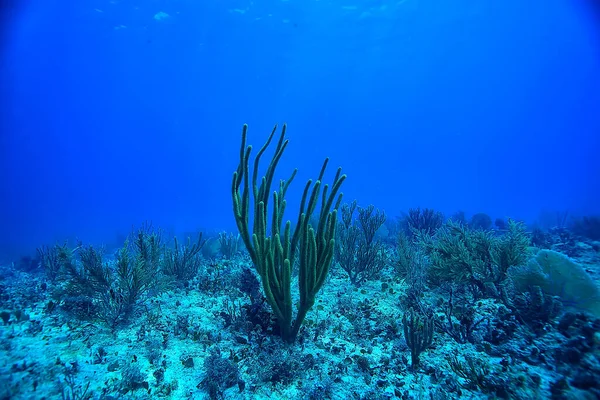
<point>119,112</point>
<point>473,125</point>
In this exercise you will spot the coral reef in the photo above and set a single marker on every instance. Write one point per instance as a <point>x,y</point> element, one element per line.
<point>415,308</point>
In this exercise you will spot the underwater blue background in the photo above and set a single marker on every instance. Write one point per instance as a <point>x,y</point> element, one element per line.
<point>111,117</point>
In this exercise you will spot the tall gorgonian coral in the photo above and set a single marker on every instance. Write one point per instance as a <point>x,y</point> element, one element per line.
<point>273,250</point>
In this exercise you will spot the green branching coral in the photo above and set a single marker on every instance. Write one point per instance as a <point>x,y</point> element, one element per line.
<point>462,255</point>
<point>228,244</point>
<point>115,290</point>
<point>512,248</point>
<point>357,250</point>
<point>418,332</point>
<point>183,261</point>
<point>457,253</point>
<point>139,267</point>
<point>272,250</point>
<point>475,372</point>
<point>53,258</point>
